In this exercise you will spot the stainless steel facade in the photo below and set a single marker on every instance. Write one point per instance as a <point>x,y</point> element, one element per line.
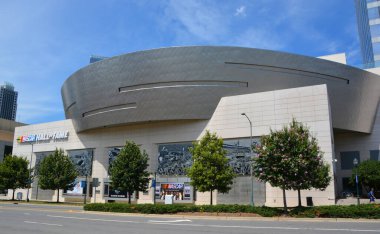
<point>183,83</point>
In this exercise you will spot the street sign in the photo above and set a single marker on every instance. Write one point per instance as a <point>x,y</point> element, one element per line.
<point>95,182</point>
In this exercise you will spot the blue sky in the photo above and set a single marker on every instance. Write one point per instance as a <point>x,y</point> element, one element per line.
<point>43,42</point>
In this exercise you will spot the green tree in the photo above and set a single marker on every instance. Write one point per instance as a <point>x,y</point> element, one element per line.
<point>128,172</point>
<point>210,169</point>
<point>14,173</point>
<point>291,159</point>
<point>369,174</point>
<point>56,171</point>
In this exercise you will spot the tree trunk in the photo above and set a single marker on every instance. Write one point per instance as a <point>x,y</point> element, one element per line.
<point>13,194</point>
<point>284,197</point>
<point>57,195</point>
<point>129,197</point>
<point>299,198</point>
<point>211,197</point>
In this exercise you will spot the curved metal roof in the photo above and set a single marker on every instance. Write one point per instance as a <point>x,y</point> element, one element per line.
<point>186,83</point>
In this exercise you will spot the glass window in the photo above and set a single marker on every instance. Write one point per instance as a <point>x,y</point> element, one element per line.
<point>376,48</point>
<point>373,13</point>
<point>374,155</point>
<point>375,30</point>
<point>112,154</point>
<point>347,186</point>
<point>82,160</point>
<point>173,159</point>
<point>347,159</point>
<point>39,157</point>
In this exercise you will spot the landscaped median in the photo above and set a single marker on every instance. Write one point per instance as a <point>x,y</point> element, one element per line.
<point>369,211</point>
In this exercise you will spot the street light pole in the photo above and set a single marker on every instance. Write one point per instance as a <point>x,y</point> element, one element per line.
<point>30,171</point>
<point>356,162</point>
<point>251,167</point>
<point>154,188</point>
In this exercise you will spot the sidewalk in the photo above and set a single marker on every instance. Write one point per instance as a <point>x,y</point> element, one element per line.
<point>241,218</point>
<point>352,201</point>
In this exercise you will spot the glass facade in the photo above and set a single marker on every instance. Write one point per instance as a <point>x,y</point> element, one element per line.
<point>347,159</point>
<point>368,20</point>
<point>112,154</point>
<point>82,160</point>
<point>173,159</point>
<point>8,102</point>
<point>374,155</point>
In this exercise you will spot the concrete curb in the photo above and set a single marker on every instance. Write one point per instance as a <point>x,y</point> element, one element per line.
<point>39,204</point>
<point>190,216</point>
<point>283,219</point>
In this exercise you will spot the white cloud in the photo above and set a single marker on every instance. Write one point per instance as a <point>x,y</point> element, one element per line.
<point>240,11</point>
<point>260,38</point>
<point>39,106</point>
<point>200,19</point>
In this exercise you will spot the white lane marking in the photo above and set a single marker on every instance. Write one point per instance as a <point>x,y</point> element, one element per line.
<point>345,230</point>
<point>280,228</point>
<point>26,213</point>
<point>217,226</point>
<point>48,224</point>
<point>169,221</point>
<point>88,219</point>
<point>286,228</point>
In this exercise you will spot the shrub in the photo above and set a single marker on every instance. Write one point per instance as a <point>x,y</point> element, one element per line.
<point>370,211</point>
<point>176,208</point>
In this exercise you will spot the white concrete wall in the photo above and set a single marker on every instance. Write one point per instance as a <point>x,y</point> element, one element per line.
<point>273,110</point>
<point>345,141</point>
<point>266,110</point>
<point>339,58</point>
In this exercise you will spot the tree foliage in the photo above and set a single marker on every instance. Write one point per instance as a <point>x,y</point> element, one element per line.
<point>14,173</point>
<point>210,169</point>
<point>128,172</point>
<point>291,159</point>
<point>56,171</point>
<point>369,174</point>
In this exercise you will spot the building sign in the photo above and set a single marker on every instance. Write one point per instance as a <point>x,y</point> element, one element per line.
<point>78,189</point>
<point>59,135</point>
<point>113,193</point>
<point>172,187</point>
<point>179,191</point>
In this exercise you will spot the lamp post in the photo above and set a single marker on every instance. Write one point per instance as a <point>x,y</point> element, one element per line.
<point>30,171</point>
<point>154,187</point>
<point>356,162</point>
<point>250,137</point>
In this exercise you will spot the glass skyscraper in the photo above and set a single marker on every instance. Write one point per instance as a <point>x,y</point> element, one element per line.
<point>368,19</point>
<point>8,102</point>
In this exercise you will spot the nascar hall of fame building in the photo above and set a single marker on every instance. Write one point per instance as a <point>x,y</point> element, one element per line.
<point>165,99</point>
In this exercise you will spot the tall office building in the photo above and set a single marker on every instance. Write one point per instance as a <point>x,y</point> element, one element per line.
<point>368,19</point>
<point>8,101</point>
<point>96,58</point>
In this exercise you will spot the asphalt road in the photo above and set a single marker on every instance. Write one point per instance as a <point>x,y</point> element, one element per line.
<point>21,218</point>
